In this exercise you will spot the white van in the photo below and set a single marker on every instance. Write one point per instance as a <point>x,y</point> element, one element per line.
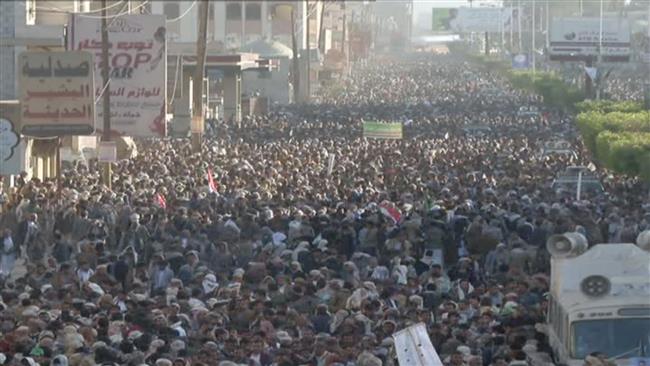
<point>599,299</point>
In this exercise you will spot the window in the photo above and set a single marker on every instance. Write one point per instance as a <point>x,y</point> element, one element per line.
<point>172,10</point>
<point>613,337</point>
<point>282,12</point>
<point>253,12</point>
<point>233,11</point>
<point>562,326</point>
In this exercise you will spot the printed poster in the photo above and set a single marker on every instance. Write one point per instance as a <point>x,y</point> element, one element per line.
<point>138,71</point>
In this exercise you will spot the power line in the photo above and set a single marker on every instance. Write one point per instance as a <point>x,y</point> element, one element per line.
<point>114,15</point>
<point>83,15</point>
<point>109,79</point>
<point>102,92</point>
<point>178,62</point>
<point>106,8</point>
<point>302,24</point>
<point>182,15</point>
<point>59,10</point>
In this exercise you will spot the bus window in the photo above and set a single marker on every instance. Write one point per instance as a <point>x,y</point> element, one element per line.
<point>565,331</point>
<point>613,337</point>
<point>558,323</point>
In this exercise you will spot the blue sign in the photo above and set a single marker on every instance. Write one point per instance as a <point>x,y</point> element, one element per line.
<point>521,61</point>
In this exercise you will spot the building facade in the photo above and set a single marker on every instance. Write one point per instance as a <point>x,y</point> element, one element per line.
<point>233,24</point>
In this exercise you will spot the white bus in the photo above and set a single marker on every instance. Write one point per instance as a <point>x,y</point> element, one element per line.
<point>599,299</point>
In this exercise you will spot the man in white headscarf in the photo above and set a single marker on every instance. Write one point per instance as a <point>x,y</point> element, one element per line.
<point>7,254</point>
<point>209,283</point>
<point>136,236</point>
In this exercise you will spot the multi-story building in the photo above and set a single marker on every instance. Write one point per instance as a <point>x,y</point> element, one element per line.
<point>233,24</point>
<point>393,23</point>
<point>28,25</point>
<point>25,26</point>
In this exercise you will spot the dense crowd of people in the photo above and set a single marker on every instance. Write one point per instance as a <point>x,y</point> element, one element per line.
<point>617,82</point>
<point>291,240</point>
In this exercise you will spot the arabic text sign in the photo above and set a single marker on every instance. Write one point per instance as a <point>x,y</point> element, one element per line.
<point>138,70</point>
<point>378,130</point>
<point>483,19</point>
<point>56,93</point>
<point>576,38</point>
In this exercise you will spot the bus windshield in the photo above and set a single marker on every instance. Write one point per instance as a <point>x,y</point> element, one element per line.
<point>613,337</point>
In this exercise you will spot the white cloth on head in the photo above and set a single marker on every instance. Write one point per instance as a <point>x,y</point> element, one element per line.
<point>209,283</point>
<point>8,257</point>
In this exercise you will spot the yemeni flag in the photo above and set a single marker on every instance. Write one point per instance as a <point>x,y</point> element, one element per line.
<point>212,185</point>
<point>390,212</point>
<point>161,201</point>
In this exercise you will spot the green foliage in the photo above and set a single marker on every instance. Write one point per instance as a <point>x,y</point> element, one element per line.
<point>618,134</point>
<point>592,123</point>
<point>644,166</point>
<point>555,91</point>
<point>601,147</point>
<point>625,152</point>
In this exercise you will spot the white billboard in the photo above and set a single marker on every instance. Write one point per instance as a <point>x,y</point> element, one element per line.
<point>491,20</point>
<point>56,93</point>
<point>576,39</point>
<point>138,70</point>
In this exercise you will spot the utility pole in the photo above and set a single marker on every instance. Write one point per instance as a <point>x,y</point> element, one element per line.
<point>321,36</point>
<point>487,44</point>
<point>197,86</point>
<point>512,28</point>
<point>410,23</point>
<point>502,30</point>
<point>519,48</point>
<point>294,65</point>
<point>106,135</point>
<point>345,49</point>
<point>581,9</point>
<point>533,38</point>
<point>548,28</point>
<point>600,52</point>
<point>308,30</point>
<point>345,26</point>
<point>646,92</point>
